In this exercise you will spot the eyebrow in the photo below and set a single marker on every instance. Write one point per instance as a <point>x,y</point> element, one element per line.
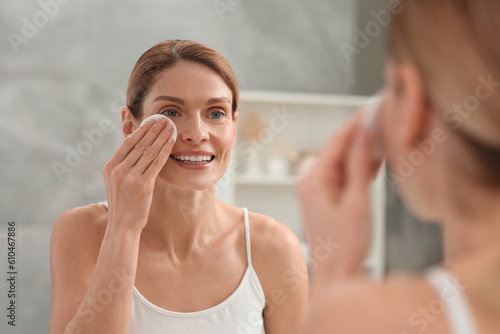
<point>170,98</point>
<point>218,100</point>
<point>177,100</point>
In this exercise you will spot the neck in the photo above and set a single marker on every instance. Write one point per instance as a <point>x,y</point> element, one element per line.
<point>180,221</point>
<point>468,235</point>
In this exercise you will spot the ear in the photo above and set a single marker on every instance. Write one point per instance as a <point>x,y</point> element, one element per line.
<point>412,107</point>
<point>235,119</point>
<point>128,122</point>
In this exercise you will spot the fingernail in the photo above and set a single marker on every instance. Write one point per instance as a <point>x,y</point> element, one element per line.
<point>162,121</point>
<point>169,128</point>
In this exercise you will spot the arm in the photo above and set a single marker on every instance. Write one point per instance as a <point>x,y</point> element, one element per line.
<point>336,210</point>
<point>283,274</point>
<point>93,283</point>
<point>335,206</point>
<point>84,299</point>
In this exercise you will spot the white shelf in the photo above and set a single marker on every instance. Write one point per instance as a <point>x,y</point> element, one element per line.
<point>352,101</point>
<point>269,180</point>
<point>266,180</point>
<point>305,122</point>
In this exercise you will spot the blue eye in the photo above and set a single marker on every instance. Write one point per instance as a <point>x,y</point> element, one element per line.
<point>217,114</point>
<point>170,113</point>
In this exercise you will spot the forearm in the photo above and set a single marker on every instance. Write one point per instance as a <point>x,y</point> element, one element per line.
<point>106,307</point>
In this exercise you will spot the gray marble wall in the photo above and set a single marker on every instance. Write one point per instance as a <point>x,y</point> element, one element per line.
<point>63,73</point>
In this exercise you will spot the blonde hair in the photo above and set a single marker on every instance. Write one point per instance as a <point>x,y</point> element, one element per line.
<point>454,45</point>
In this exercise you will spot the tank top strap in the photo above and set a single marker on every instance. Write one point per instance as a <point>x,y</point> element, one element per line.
<point>105,203</point>
<point>247,236</point>
<point>247,232</point>
<point>458,312</point>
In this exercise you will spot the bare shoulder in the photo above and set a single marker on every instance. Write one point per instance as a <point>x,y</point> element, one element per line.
<point>401,304</point>
<point>276,251</point>
<point>269,235</point>
<point>83,222</point>
<point>77,234</point>
<point>91,216</point>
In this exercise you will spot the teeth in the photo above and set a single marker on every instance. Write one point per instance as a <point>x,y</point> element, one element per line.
<point>193,158</point>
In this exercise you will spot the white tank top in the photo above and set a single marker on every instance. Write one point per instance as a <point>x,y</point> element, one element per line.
<point>241,312</point>
<point>453,301</point>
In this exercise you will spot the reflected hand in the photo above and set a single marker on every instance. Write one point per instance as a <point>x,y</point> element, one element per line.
<point>334,198</point>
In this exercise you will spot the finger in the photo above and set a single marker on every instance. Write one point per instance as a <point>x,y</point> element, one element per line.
<point>330,167</point>
<point>334,150</point>
<point>157,164</point>
<point>151,153</point>
<point>142,145</point>
<point>129,143</point>
<point>360,166</point>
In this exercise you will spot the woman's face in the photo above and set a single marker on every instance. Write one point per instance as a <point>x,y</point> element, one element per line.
<point>414,141</point>
<point>199,102</point>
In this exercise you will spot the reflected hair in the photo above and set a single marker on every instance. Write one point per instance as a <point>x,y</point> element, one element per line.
<point>454,46</point>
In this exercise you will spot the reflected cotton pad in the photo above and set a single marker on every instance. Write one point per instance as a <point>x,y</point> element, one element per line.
<point>158,116</point>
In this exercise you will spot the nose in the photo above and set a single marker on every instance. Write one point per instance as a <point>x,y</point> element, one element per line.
<point>193,130</point>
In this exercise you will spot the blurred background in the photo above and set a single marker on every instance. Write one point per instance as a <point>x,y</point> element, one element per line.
<point>64,67</point>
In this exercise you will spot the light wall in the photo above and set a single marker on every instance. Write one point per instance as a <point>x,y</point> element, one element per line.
<point>69,76</point>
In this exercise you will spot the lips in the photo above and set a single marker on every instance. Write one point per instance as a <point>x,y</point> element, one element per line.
<point>193,159</point>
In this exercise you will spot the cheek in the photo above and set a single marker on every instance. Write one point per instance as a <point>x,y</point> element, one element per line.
<point>223,137</point>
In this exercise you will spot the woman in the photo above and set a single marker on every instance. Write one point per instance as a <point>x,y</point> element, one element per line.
<point>439,124</point>
<point>164,256</point>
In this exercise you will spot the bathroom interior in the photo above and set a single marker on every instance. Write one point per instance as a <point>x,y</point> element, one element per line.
<point>299,74</point>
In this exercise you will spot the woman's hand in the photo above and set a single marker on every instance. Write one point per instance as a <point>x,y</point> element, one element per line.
<point>131,173</point>
<point>335,203</point>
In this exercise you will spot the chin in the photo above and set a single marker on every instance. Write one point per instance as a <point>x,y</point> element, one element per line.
<point>189,180</point>
<point>420,208</point>
<point>419,194</point>
<point>425,217</point>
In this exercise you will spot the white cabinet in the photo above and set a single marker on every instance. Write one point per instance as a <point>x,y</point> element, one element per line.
<point>300,122</point>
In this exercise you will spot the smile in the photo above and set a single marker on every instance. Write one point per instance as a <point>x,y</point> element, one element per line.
<point>194,159</point>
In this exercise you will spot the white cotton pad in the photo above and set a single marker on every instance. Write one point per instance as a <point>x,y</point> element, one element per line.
<point>370,109</point>
<point>158,116</point>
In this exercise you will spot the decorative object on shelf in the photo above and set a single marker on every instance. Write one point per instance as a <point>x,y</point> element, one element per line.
<point>279,165</point>
<point>251,128</point>
<point>294,156</point>
<point>253,167</point>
